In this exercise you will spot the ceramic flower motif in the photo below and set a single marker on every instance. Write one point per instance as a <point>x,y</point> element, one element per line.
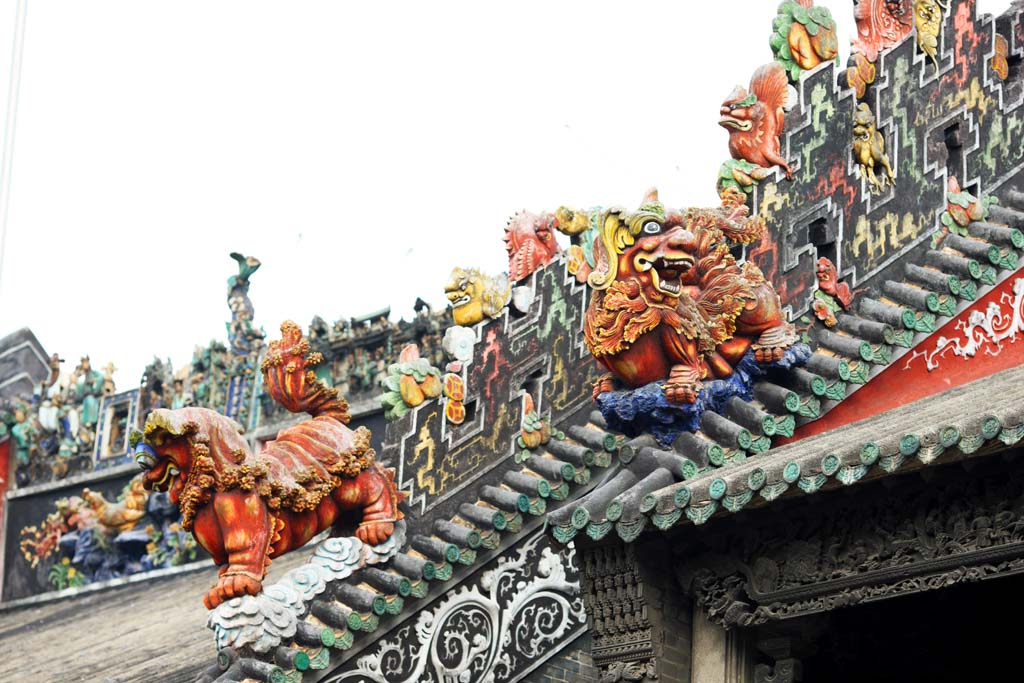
<point>458,343</point>
<point>961,209</point>
<point>410,382</point>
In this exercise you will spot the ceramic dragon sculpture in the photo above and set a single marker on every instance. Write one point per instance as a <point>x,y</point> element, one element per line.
<point>530,241</point>
<point>246,508</point>
<point>880,25</point>
<point>671,304</point>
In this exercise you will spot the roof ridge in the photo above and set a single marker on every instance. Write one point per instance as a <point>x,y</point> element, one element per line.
<point>973,423</point>
<point>321,607</point>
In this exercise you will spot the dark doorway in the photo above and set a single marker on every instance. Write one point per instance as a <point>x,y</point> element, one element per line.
<point>960,633</point>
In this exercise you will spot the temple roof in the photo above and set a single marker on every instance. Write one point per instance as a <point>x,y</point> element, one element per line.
<point>362,598</point>
<point>959,423</point>
<point>736,459</point>
<point>23,364</point>
<point>743,455</point>
<point>366,593</point>
<point>823,420</point>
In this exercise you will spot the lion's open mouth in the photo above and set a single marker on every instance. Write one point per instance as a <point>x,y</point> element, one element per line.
<point>161,481</point>
<point>667,272</point>
<point>460,301</point>
<point>730,122</point>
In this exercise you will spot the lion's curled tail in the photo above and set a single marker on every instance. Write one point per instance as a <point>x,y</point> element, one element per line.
<point>292,385</point>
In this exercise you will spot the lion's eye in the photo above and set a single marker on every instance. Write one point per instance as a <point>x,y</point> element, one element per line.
<point>652,228</point>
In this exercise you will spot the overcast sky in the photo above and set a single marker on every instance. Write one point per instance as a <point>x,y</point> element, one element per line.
<point>360,150</point>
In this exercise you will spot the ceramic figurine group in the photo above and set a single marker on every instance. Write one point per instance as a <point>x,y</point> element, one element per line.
<point>54,432</point>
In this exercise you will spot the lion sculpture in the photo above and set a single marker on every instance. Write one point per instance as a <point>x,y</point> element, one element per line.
<point>869,150</point>
<point>246,508</point>
<point>671,304</point>
<point>475,296</point>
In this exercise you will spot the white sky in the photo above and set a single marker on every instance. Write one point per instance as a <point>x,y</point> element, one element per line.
<point>360,150</point>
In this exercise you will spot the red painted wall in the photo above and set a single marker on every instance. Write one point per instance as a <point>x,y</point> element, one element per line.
<point>910,378</point>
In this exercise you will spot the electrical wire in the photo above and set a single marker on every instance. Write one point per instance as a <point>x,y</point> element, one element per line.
<point>9,126</point>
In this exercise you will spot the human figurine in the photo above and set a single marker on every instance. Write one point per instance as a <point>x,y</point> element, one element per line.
<point>23,434</point>
<point>88,385</point>
<point>109,389</point>
<point>199,390</point>
<point>53,380</point>
<point>180,398</point>
<point>241,333</point>
<point>49,414</point>
<point>86,439</point>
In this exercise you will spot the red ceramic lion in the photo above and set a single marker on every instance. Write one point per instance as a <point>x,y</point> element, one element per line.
<point>670,302</point>
<point>755,119</point>
<point>247,508</point>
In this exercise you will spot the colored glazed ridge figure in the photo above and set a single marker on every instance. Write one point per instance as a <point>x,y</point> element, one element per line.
<point>869,150</point>
<point>755,119</point>
<point>928,21</point>
<point>530,241</point>
<point>241,333</point>
<point>475,296</point>
<point>671,303</point>
<point>246,508</point>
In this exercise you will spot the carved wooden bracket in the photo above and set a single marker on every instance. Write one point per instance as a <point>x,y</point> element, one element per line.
<point>933,534</point>
<point>784,671</point>
<point>631,671</point>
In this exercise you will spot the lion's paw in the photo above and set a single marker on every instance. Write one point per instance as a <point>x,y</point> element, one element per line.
<point>375,533</point>
<point>769,355</point>
<point>683,385</point>
<point>603,385</point>
<point>773,342</point>
<point>231,586</point>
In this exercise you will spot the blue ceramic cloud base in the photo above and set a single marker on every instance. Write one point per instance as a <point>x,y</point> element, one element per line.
<point>645,410</point>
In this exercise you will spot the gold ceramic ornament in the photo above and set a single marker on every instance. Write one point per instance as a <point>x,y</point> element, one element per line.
<point>869,150</point>
<point>928,20</point>
<point>475,296</point>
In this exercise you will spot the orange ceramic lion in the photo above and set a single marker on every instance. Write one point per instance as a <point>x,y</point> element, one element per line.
<point>671,304</point>
<point>247,508</point>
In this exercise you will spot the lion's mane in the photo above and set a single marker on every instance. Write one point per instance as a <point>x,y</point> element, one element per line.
<point>293,472</point>
<point>625,310</point>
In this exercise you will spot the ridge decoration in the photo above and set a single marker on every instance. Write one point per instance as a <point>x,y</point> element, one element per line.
<point>246,508</point>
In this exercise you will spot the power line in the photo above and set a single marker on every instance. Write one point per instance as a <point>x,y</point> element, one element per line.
<point>9,126</point>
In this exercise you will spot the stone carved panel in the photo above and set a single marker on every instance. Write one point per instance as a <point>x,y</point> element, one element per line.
<point>630,671</point>
<point>524,608</point>
<point>623,648</point>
